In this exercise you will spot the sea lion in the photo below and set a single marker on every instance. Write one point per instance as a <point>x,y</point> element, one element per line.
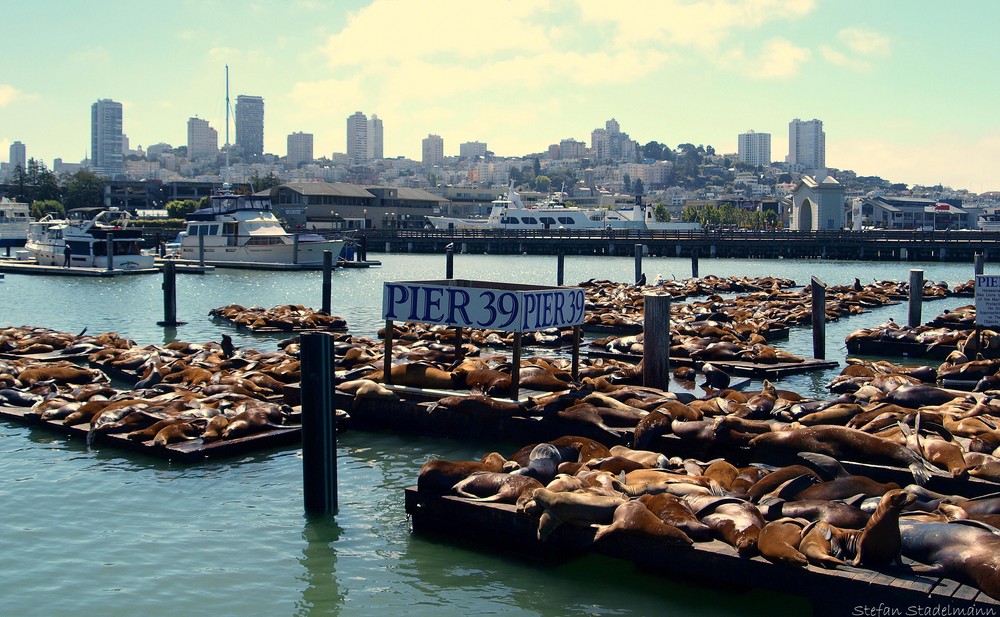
<point>735,521</point>
<point>438,476</point>
<point>576,508</point>
<point>672,510</point>
<point>646,458</point>
<point>491,486</point>
<point>634,518</point>
<point>779,540</point>
<point>480,405</point>
<point>823,544</point>
<point>485,381</point>
<point>178,431</point>
<point>417,375</point>
<point>966,551</point>
<point>838,513</point>
<point>879,543</point>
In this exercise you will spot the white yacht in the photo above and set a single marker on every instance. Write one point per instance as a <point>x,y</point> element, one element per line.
<point>509,212</point>
<point>14,219</point>
<point>989,220</point>
<point>87,232</point>
<point>242,228</point>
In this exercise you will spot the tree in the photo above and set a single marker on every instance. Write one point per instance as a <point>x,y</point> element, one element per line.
<point>82,189</point>
<point>177,208</point>
<point>48,206</point>
<point>627,181</point>
<point>258,183</point>
<point>660,212</point>
<point>653,150</point>
<point>542,183</point>
<point>637,187</point>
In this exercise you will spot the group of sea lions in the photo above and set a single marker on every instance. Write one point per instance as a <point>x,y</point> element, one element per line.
<point>287,317</point>
<point>812,513</point>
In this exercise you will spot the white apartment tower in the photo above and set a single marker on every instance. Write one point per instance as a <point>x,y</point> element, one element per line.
<point>202,140</point>
<point>433,150</point>
<point>300,149</point>
<point>754,148</point>
<point>18,156</point>
<point>806,144</point>
<point>472,149</point>
<point>106,144</point>
<point>250,124</point>
<point>375,149</point>
<point>357,137</point>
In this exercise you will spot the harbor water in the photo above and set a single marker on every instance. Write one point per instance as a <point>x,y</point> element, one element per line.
<point>104,532</point>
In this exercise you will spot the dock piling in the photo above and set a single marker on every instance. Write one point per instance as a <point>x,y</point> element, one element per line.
<point>979,263</point>
<point>319,424</point>
<point>638,263</point>
<point>111,251</point>
<point>916,297</point>
<point>449,261</point>
<point>169,287</point>
<point>327,280</point>
<point>694,263</point>
<point>819,318</point>
<point>656,341</point>
<point>201,248</point>
<point>560,268</point>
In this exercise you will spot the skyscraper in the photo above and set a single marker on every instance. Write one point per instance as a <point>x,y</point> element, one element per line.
<point>433,150</point>
<point>375,151</point>
<point>250,125</point>
<point>806,144</point>
<point>754,148</point>
<point>202,141</point>
<point>106,145</point>
<point>357,137</point>
<point>300,149</point>
<point>18,156</point>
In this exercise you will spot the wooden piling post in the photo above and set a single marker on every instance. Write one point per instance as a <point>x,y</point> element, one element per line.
<point>387,355</point>
<point>656,341</point>
<point>575,362</point>
<point>979,263</point>
<point>111,251</point>
<point>319,424</point>
<point>169,287</point>
<point>201,248</point>
<point>515,368</point>
<point>819,318</point>
<point>327,280</point>
<point>560,268</point>
<point>916,297</point>
<point>295,248</point>
<point>449,261</point>
<point>638,263</point>
<point>694,263</point>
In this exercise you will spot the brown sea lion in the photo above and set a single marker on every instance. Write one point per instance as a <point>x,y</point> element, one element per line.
<point>491,486</point>
<point>735,521</point>
<point>962,550</point>
<point>180,431</point>
<point>823,544</point>
<point>879,543</point>
<point>634,518</point>
<point>672,510</point>
<point>438,476</point>
<point>779,540</point>
<point>576,508</point>
<point>417,375</point>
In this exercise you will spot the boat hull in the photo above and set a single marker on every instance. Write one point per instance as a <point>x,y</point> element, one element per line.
<point>309,253</point>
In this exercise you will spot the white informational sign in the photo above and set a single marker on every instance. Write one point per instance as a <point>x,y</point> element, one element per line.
<point>486,305</point>
<point>987,300</point>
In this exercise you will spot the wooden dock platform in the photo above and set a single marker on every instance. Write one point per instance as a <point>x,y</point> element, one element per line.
<point>898,349</point>
<point>831,592</point>
<point>15,266</point>
<point>735,367</point>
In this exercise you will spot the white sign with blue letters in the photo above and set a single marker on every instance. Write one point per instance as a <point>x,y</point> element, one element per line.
<point>987,300</point>
<point>486,305</point>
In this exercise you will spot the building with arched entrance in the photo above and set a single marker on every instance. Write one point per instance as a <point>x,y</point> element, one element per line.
<point>816,205</point>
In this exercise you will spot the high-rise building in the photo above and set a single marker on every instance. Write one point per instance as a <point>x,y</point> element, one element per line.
<point>202,140</point>
<point>572,149</point>
<point>18,156</point>
<point>610,144</point>
<point>106,144</point>
<point>754,148</point>
<point>471,149</point>
<point>250,125</point>
<point>357,137</point>
<point>300,149</point>
<point>433,150</point>
<point>375,149</point>
<point>806,145</point>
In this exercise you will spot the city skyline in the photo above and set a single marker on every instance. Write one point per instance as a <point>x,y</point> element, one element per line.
<point>901,86</point>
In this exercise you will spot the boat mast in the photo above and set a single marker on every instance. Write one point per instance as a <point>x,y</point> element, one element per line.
<point>227,118</point>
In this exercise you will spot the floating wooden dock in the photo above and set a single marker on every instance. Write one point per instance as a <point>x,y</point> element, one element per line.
<point>831,592</point>
<point>898,349</point>
<point>16,266</point>
<point>774,334</point>
<point>185,452</point>
<point>274,329</point>
<point>735,367</point>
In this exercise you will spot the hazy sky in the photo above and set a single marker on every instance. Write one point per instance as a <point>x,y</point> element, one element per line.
<point>906,89</point>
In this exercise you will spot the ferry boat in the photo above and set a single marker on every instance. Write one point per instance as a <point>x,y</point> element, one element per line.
<point>509,212</point>
<point>14,219</point>
<point>989,220</point>
<point>87,231</point>
<point>243,229</point>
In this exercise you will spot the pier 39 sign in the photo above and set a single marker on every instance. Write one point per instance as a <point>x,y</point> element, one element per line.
<point>481,304</point>
<point>987,300</point>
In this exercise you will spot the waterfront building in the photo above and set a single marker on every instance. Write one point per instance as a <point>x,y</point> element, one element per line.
<point>250,125</point>
<point>817,206</point>
<point>432,148</point>
<point>887,212</point>
<point>754,148</point>
<point>202,140</point>
<point>18,156</point>
<point>472,149</point>
<point>572,149</point>
<point>806,145</point>
<point>376,150</point>
<point>357,138</point>
<point>324,205</point>
<point>300,149</point>
<point>106,139</point>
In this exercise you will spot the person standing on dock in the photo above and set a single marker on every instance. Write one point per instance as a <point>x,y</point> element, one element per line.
<point>67,251</point>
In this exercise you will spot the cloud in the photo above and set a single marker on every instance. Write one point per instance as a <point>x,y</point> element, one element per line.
<point>859,48</point>
<point>9,94</point>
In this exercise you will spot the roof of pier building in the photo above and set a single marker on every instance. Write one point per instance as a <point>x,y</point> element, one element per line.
<point>345,194</point>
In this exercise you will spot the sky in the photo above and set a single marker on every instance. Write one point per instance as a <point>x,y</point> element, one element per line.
<point>907,89</point>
